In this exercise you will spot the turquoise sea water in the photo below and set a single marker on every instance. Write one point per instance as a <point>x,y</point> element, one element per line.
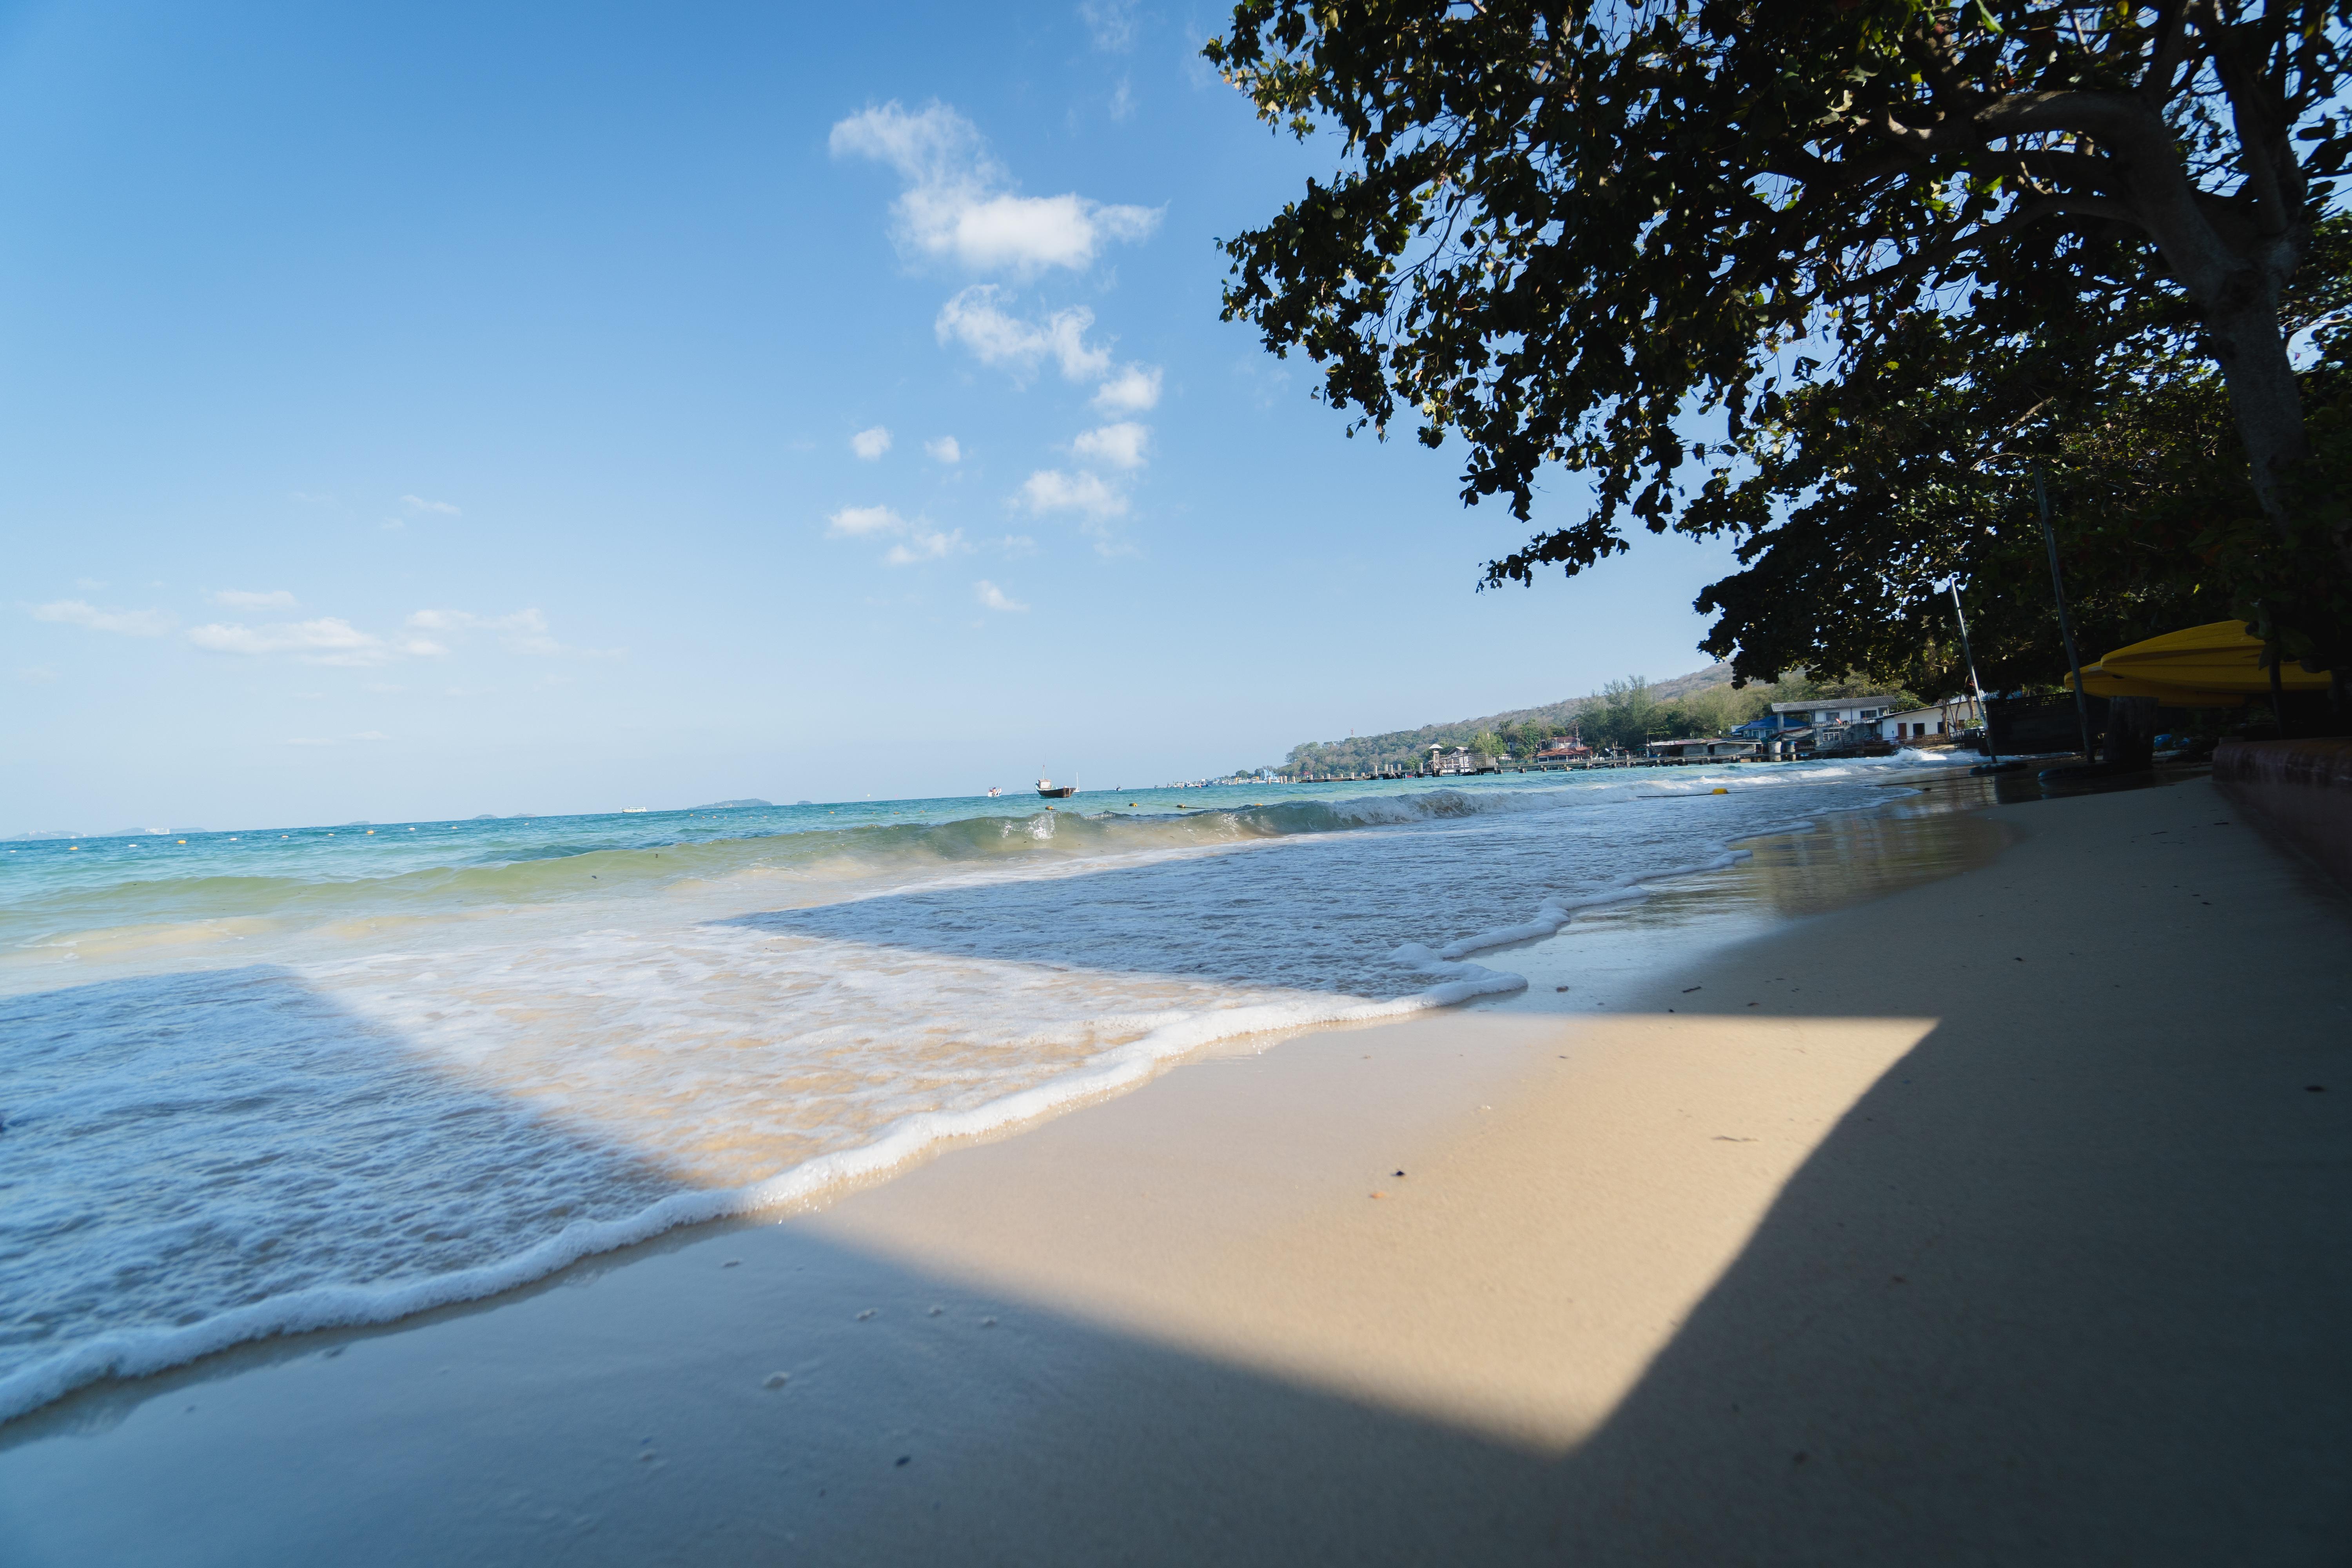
<point>274,1078</point>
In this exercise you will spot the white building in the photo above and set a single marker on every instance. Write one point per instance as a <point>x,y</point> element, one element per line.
<point>1910,726</point>
<point>1822,710</point>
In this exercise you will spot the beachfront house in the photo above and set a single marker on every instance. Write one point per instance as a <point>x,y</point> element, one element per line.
<point>1943,721</point>
<point>1460,760</point>
<point>1715,748</point>
<point>1823,710</point>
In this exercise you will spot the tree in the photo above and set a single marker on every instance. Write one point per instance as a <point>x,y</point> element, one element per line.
<point>1566,231</point>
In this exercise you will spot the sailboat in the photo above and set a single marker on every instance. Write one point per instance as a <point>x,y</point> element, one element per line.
<point>1053,791</point>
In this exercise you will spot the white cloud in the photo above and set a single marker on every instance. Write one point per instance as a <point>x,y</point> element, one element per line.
<point>927,546</point>
<point>524,631</point>
<point>994,597</point>
<point>1121,445</point>
<point>944,450</point>
<point>1050,489</point>
<point>37,674</point>
<point>88,584</point>
<point>329,640</point>
<point>856,522</point>
<point>418,503</point>
<point>974,320</point>
<point>249,599</point>
<point>870,444</point>
<point>127,622</point>
<point>371,736</point>
<point>1132,391</point>
<point>1017,544</point>
<point>959,203</point>
<point>1110,23</point>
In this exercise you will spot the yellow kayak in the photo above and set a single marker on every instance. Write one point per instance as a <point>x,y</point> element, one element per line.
<point>2200,663</point>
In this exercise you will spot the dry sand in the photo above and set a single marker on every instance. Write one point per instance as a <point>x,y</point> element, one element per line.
<point>1991,1219</point>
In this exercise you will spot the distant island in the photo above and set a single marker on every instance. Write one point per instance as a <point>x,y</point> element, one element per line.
<point>731,805</point>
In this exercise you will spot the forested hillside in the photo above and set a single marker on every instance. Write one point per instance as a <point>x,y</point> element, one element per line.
<point>1624,714</point>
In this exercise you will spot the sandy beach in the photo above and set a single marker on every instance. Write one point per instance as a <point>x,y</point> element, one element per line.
<point>1967,1186</point>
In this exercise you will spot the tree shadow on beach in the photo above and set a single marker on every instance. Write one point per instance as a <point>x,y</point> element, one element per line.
<point>178,1146</point>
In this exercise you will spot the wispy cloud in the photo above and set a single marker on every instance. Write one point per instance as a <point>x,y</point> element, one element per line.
<point>254,599</point>
<point>125,623</point>
<point>857,521</point>
<point>1119,445</point>
<point>1052,490</point>
<point>418,503</point>
<point>1111,24</point>
<point>996,598</point>
<point>1133,390</point>
<point>524,631</point>
<point>37,674</point>
<point>944,450</point>
<point>329,640</point>
<point>927,545</point>
<point>1017,544</point>
<point>870,444</point>
<point>959,202</point>
<point>975,320</point>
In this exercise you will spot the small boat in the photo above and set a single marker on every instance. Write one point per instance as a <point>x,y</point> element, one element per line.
<point>993,792</point>
<point>1052,791</point>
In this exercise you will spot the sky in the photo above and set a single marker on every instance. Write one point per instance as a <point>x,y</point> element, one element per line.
<point>431,410</point>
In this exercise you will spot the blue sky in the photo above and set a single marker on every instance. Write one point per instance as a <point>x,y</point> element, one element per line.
<point>449,409</point>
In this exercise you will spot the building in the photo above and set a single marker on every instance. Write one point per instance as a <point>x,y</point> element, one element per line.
<point>1562,749</point>
<point>1715,748</point>
<point>1945,721</point>
<point>1821,710</point>
<point>1443,762</point>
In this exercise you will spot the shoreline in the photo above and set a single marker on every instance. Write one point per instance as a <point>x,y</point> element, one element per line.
<point>1175,1324</point>
<point>1451,981</point>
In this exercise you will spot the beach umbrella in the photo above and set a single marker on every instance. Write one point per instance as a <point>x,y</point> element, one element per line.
<point>2218,656</point>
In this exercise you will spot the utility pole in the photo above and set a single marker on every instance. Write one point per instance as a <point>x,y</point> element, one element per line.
<point>2065,627</point>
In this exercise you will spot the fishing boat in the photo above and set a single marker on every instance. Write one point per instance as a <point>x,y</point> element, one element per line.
<point>1053,791</point>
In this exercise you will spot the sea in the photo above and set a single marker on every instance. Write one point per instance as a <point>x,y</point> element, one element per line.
<point>263,1081</point>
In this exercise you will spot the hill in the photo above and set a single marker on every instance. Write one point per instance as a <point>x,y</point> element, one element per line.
<point>1623,715</point>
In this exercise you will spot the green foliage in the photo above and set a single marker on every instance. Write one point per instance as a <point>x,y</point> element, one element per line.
<point>1915,470</point>
<point>1623,715</point>
<point>1568,232</point>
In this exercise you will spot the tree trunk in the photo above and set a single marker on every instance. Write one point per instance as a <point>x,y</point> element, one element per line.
<point>2252,352</point>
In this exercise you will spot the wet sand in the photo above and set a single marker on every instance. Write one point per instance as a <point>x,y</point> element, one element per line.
<point>1896,1197</point>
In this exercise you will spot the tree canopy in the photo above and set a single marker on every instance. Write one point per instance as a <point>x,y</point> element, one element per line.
<point>1574,233</point>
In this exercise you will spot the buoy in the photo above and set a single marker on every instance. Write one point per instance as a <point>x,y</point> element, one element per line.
<point>1723,792</point>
